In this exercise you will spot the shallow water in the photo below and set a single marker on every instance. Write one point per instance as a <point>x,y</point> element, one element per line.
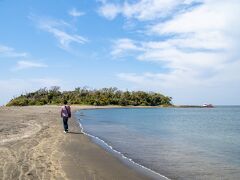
<point>180,143</point>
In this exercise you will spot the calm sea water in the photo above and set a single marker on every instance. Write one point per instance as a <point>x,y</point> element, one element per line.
<point>179,143</point>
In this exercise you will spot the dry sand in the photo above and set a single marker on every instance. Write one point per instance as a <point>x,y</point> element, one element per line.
<point>33,146</point>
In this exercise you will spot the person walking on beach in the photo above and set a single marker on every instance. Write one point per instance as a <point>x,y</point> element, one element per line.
<point>65,114</point>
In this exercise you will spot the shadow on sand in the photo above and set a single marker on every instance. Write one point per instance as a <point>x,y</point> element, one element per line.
<point>71,132</point>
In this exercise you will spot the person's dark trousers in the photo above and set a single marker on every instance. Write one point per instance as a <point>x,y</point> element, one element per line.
<point>65,123</point>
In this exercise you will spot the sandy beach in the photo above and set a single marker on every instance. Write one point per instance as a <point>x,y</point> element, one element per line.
<point>33,146</point>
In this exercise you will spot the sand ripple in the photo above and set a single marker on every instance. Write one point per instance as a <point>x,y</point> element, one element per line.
<point>22,130</point>
<point>29,143</point>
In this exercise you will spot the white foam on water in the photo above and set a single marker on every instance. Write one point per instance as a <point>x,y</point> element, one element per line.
<point>119,153</point>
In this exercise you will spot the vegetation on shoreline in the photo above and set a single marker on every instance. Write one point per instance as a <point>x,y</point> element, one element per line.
<point>85,96</point>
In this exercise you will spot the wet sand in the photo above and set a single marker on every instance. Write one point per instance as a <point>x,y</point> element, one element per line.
<point>33,146</point>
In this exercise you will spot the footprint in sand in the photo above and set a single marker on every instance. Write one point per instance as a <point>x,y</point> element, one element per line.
<point>21,131</point>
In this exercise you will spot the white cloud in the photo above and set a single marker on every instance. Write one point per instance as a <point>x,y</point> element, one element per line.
<point>160,80</point>
<point>61,30</point>
<point>203,38</point>
<point>187,89</point>
<point>6,51</point>
<point>75,13</point>
<point>143,9</point>
<point>28,65</point>
<point>122,46</point>
<point>110,11</point>
<point>198,46</point>
<point>212,15</point>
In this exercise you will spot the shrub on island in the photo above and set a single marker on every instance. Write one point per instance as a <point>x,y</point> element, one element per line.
<point>86,96</point>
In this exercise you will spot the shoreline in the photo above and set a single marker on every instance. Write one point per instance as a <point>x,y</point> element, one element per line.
<point>126,160</point>
<point>45,152</point>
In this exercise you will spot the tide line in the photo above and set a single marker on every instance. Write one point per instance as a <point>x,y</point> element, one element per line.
<point>119,153</point>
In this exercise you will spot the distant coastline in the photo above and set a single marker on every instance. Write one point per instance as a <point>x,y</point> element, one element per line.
<point>192,106</point>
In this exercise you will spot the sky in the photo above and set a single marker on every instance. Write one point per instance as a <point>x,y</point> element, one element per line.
<point>185,49</point>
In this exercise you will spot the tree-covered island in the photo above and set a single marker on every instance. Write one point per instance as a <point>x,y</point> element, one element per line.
<point>86,96</point>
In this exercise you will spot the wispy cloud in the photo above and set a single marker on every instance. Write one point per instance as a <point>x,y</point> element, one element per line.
<point>6,51</point>
<point>109,10</point>
<point>186,88</point>
<point>123,46</point>
<point>9,52</point>
<point>200,36</point>
<point>61,30</point>
<point>144,9</point>
<point>197,45</point>
<point>28,65</point>
<point>75,13</point>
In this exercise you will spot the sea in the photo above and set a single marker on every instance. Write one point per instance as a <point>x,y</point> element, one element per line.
<point>176,143</point>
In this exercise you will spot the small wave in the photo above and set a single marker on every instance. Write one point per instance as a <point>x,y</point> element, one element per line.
<point>119,153</point>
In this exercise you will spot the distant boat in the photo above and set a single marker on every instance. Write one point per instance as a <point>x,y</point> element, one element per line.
<point>207,105</point>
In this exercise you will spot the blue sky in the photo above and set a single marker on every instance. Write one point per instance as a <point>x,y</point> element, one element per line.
<point>186,49</point>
